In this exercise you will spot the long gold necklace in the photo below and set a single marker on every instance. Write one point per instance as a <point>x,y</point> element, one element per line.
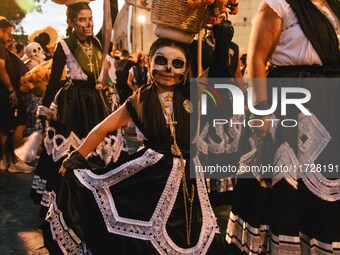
<point>175,150</point>
<point>87,48</point>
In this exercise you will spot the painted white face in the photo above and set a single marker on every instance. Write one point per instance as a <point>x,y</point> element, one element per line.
<point>168,66</point>
<point>83,24</point>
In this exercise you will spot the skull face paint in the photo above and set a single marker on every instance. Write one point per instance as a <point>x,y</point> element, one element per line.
<point>83,24</point>
<point>168,66</point>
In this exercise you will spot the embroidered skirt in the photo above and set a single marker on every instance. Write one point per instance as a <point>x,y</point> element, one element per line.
<point>298,211</point>
<point>80,107</point>
<point>135,206</point>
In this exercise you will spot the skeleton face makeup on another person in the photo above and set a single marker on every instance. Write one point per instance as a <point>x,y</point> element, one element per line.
<point>168,66</point>
<point>83,24</point>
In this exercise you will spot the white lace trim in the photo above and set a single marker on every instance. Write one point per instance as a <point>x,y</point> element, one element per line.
<point>217,147</point>
<point>154,229</point>
<point>313,138</point>
<point>234,134</point>
<point>322,187</point>
<point>261,241</point>
<point>74,70</point>
<point>317,138</point>
<point>202,146</point>
<point>38,184</point>
<point>68,242</point>
<point>245,237</point>
<point>220,185</point>
<point>108,150</point>
<point>46,199</point>
<point>285,156</point>
<point>229,140</point>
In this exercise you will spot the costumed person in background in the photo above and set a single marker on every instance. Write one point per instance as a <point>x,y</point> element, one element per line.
<point>243,66</point>
<point>34,55</point>
<point>295,212</point>
<point>74,106</point>
<point>37,52</point>
<point>207,52</point>
<point>123,65</point>
<point>222,141</point>
<point>19,49</point>
<point>12,110</point>
<point>235,65</point>
<point>109,71</point>
<point>47,38</point>
<point>147,203</point>
<point>138,74</point>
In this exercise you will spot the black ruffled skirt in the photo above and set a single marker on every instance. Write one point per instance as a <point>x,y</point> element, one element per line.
<point>135,206</point>
<point>80,107</point>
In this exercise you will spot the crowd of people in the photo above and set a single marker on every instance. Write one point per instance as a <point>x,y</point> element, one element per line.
<point>19,116</point>
<point>95,198</point>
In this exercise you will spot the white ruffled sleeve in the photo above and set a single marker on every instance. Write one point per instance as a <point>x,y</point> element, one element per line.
<point>281,7</point>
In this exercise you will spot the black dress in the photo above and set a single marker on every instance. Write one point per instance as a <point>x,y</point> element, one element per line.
<point>296,211</point>
<point>136,206</point>
<point>78,108</point>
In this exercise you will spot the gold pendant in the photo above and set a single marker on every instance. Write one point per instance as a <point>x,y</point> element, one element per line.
<point>175,150</point>
<point>187,106</point>
<point>99,86</point>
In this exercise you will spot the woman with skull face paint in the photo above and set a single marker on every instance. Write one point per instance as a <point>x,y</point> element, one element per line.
<point>74,106</point>
<point>146,203</point>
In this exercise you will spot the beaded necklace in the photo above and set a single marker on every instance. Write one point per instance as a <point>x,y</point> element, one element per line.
<point>165,100</point>
<point>87,48</point>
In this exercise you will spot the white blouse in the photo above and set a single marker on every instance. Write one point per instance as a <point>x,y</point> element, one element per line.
<point>293,47</point>
<point>74,70</point>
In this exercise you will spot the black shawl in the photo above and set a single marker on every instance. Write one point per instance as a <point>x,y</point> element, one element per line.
<point>318,29</point>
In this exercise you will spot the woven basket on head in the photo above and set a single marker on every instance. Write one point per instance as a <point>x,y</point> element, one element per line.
<point>176,21</point>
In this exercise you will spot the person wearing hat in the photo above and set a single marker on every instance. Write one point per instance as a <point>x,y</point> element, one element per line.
<point>47,38</point>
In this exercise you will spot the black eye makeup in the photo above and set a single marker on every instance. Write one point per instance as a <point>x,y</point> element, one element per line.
<point>160,60</point>
<point>176,63</point>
